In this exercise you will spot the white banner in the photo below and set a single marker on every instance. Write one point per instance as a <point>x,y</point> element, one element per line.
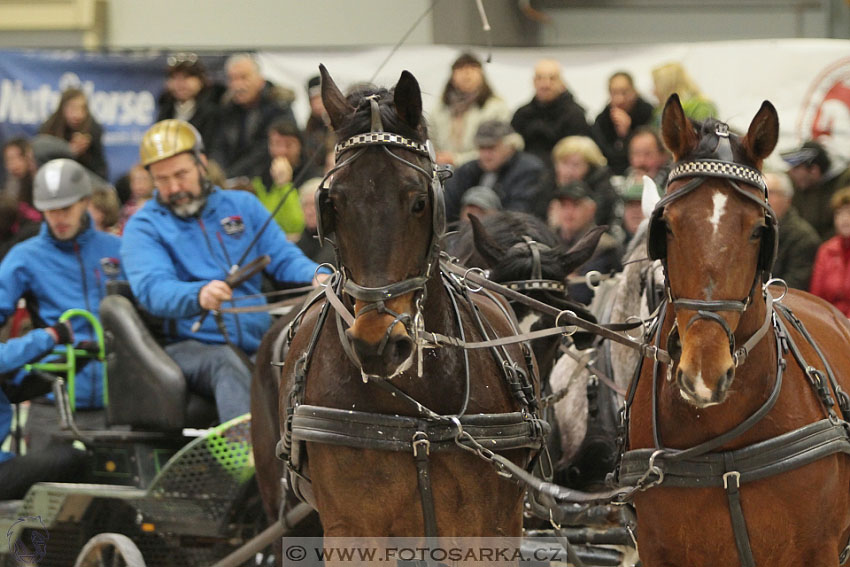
<point>807,80</point>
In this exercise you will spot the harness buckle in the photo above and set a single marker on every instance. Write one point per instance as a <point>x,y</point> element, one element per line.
<point>420,439</point>
<point>733,475</point>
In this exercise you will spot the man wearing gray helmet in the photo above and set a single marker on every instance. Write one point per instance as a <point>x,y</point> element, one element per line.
<point>66,266</point>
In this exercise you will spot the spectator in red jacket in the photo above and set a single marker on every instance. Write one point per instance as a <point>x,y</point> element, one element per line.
<point>831,274</point>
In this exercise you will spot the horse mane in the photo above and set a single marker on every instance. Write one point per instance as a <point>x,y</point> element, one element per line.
<point>361,121</point>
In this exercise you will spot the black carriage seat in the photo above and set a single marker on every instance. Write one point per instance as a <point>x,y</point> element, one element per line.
<point>146,388</point>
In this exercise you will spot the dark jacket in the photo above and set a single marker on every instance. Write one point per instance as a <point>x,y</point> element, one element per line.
<point>798,244</point>
<point>543,125</point>
<point>609,207</point>
<point>207,110</point>
<point>605,260</point>
<point>614,148</point>
<point>241,143</point>
<point>813,205</point>
<point>519,183</point>
<point>309,244</point>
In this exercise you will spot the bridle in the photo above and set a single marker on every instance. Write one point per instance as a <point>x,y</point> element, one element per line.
<point>720,165</point>
<point>536,282</point>
<point>375,298</point>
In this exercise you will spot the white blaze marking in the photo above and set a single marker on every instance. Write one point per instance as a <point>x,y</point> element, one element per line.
<point>719,200</point>
<point>700,389</point>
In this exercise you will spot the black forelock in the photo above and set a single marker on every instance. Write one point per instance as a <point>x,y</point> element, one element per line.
<point>708,140</point>
<point>361,121</point>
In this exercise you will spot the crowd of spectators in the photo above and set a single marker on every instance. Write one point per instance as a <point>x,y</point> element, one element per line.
<point>547,158</point>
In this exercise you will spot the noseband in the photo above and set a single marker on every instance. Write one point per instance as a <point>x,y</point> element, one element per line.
<point>733,173</point>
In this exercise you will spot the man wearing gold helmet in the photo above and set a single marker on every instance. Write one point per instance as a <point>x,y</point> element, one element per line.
<point>180,247</point>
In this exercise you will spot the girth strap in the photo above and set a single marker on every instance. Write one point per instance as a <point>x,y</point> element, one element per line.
<point>777,455</point>
<point>732,485</point>
<point>421,451</point>
<point>363,430</point>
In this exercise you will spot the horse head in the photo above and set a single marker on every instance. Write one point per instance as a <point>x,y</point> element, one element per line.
<point>717,235</point>
<point>383,206</point>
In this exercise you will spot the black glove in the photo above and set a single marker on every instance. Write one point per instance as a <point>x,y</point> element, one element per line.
<point>62,332</point>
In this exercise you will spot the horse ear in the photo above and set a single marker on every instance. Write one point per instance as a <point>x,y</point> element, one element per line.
<point>335,103</point>
<point>582,250</point>
<point>676,130</point>
<point>484,243</point>
<point>408,99</point>
<point>763,133</point>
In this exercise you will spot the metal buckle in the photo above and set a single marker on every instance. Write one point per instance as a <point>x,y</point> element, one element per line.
<point>731,474</point>
<point>420,439</point>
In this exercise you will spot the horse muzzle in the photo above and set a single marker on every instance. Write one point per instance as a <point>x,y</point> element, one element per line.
<point>384,359</point>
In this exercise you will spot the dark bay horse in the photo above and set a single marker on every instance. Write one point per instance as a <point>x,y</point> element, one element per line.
<point>741,445</point>
<point>521,251</point>
<point>372,397</point>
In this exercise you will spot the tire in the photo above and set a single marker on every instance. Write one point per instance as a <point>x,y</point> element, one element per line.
<point>109,549</point>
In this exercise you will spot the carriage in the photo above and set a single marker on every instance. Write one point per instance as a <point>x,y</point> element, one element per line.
<point>160,487</point>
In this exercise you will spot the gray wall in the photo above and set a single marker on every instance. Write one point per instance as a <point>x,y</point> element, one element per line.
<point>242,24</point>
<point>270,24</point>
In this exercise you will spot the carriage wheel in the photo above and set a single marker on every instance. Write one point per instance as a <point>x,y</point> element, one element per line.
<point>110,550</point>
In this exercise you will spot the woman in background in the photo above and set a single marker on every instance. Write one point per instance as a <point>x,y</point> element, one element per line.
<point>467,101</point>
<point>73,123</point>
<point>672,78</point>
<point>831,272</point>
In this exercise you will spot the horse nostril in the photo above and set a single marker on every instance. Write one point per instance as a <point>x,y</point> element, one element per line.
<point>684,381</point>
<point>402,348</point>
<point>726,381</point>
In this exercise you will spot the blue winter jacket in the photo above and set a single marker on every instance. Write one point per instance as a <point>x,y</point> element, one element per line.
<point>13,355</point>
<point>55,276</point>
<point>169,259</point>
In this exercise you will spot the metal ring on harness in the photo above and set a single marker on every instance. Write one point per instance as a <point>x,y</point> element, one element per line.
<point>329,266</point>
<point>572,331</point>
<point>651,469</point>
<point>464,281</point>
<point>777,281</point>
<point>593,279</point>
<point>639,328</point>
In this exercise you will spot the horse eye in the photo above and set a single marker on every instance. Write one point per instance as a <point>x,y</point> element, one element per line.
<point>758,232</point>
<point>418,205</point>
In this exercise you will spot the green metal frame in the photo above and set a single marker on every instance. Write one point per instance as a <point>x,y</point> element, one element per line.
<point>71,354</point>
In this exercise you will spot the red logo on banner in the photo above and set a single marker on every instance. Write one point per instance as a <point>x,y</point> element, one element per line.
<point>826,109</point>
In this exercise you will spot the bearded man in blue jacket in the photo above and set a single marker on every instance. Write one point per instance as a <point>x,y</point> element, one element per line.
<point>66,266</point>
<point>180,247</point>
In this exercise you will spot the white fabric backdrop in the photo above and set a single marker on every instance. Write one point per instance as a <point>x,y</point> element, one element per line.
<point>795,75</point>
